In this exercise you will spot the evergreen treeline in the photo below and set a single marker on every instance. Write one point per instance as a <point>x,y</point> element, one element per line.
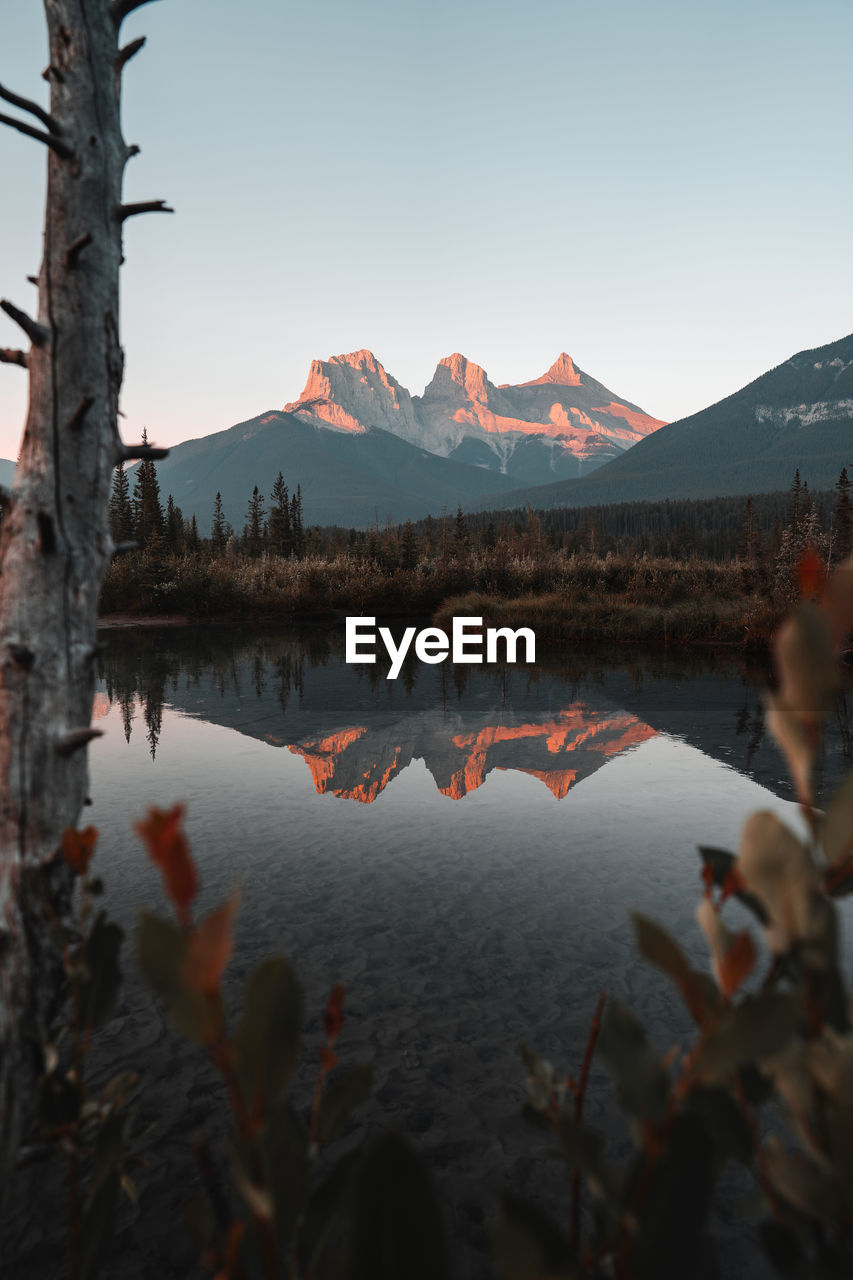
<point>138,519</point>
<point>770,528</point>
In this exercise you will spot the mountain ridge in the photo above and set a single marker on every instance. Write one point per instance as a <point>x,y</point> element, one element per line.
<point>751,441</point>
<point>562,423</point>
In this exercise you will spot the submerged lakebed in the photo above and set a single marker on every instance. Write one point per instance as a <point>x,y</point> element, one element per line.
<point>459,846</point>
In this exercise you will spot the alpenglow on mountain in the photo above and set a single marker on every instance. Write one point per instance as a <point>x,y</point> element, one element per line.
<point>563,424</point>
<point>797,416</point>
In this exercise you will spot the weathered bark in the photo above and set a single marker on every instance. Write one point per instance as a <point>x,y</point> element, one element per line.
<point>55,541</point>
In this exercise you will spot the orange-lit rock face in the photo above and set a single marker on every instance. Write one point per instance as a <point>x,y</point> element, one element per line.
<point>353,392</point>
<point>639,423</point>
<point>572,413</point>
<point>562,372</point>
<point>355,764</point>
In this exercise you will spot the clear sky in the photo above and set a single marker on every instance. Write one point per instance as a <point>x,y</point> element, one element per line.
<point>662,189</point>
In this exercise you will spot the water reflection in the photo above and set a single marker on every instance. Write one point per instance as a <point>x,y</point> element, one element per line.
<point>559,721</point>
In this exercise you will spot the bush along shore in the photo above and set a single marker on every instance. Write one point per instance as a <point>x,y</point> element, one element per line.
<point>575,598</point>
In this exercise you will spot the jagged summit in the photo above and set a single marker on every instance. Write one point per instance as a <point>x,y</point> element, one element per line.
<point>353,392</point>
<point>561,424</point>
<point>562,373</point>
<point>456,374</point>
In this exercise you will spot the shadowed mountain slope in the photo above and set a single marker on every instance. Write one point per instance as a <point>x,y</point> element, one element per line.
<point>798,415</point>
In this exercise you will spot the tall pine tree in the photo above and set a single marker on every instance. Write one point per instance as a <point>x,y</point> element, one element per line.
<point>147,512</point>
<point>278,527</point>
<point>843,521</point>
<point>121,511</point>
<point>219,528</point>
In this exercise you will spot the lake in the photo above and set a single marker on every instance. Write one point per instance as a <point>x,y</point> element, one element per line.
<point>460,847</point>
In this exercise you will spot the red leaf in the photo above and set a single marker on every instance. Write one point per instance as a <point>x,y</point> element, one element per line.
<point>736,964</point>
<point>732,884</point>
<point>333,1019</point>
<point>78,848</point>
<point>810,574</point>
<point>210,948</point>
<point>169,849</point>
<point>328,1057</point>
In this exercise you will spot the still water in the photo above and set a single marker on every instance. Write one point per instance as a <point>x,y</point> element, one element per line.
<point>460,847</point>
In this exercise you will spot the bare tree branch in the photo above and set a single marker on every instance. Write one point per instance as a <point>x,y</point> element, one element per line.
<point>37,333</point>
<point>129,51</point>
<point>72,253</point>
<point>132,150</point>
<point>119,9</point>
<point>131,452</point>
<point>143,206</point>
<point>9,355</point>
<point>76,420</point>
<point>33,107</point>
<point>61,148</point>
<point>74,741</point>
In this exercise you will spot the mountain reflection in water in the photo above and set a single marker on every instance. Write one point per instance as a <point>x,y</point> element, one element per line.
<point>559,721</point>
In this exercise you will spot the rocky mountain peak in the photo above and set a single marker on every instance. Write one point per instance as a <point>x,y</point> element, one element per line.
<point>456,374</point>
<point>353,392</point>
<point>562,374</point>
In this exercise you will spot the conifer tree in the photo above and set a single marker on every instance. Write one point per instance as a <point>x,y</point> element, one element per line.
<point>192,540</point>
<point>843,521</point>
<point>219,531</point>
<point>174,527</point>
<point>278,528</point>
<point>296,529</point>
<point>147,511</point>
<point>461,537</point>
<point>408,546</point>
<point>121,511</point>
<point>253,533</point>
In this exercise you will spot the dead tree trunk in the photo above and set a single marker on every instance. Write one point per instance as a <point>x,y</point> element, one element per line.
<point>55,541</point>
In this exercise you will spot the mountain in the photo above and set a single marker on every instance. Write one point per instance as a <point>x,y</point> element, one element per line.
<point>798,415</point>
<point>348,475</point>
<point>559,425</point>
<point>7,472</point>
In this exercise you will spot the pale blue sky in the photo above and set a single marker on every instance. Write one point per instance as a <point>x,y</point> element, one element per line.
<point>662,189</point>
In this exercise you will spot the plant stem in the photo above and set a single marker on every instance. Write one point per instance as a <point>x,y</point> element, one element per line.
<point>580,1094</point>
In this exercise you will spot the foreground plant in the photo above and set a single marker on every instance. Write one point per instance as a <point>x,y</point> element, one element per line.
<point>283,1221</point>
<point>781,1049</point>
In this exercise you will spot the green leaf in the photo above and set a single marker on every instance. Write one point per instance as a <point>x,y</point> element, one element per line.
<point>583,1148</point>
<point>98,989</point>
<point>527,1245</point>
<point>347,1089</point>
<point>655,945</point>
<point>162,949</point>
<point>700,994</point>
<point>799,1181</point>
<point>641,1081</point>
<point>747,1033</point>
<point>266,1043</point>
<point>285,1144</point>
<point>397,1229</point>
